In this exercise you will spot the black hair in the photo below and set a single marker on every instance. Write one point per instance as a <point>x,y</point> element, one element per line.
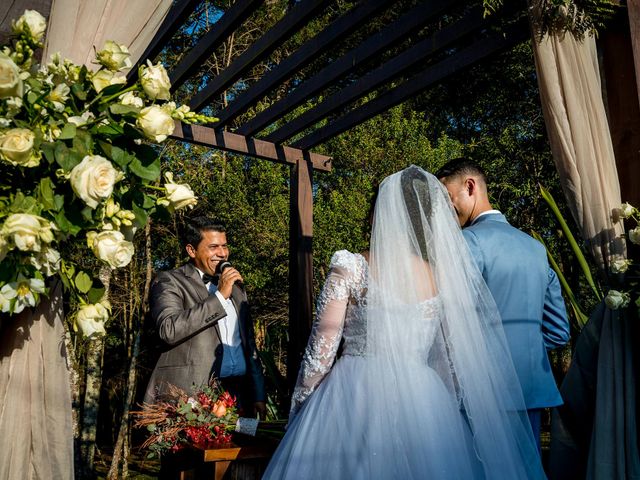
<point>193,228</point>
<point>461,166</point>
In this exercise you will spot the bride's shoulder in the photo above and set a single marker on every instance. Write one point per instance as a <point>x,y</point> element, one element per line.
<point>347,260</point>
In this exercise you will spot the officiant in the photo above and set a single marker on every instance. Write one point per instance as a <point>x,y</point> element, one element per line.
<point>203,322</point>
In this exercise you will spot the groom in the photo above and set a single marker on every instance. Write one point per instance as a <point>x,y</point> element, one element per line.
<point>525,288</point>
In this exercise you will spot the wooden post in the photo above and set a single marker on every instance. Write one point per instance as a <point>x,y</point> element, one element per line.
<point>300,264</point>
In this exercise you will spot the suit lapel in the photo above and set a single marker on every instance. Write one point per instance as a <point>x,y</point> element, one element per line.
<point>237,298</point>
<point>199,288</point>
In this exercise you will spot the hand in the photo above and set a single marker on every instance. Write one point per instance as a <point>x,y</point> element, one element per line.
<point>261,409</point>
<point>227,279</point>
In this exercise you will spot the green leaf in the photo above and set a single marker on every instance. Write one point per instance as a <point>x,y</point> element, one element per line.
<point>112,89</point>
<point>95,294</point>
<point>83,282</point>
<point>24,204</point>
<point>48,148</point>
<point>68,131</point>
<point>66,225</point>
<point>83,142</point>
<point>191,416</point>
<point>146,171</point>
<point>110,130</point>
<point>118,155</point>
<point>148,202</point>
<point>78,91</point>
<point>141,215</point>
<point>119,109</point>
<point>45,194</point>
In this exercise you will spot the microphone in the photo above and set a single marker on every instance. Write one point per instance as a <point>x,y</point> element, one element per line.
<point>222,266</point>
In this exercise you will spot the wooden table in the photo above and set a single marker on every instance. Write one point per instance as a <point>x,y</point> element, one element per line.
<point>249,457</point>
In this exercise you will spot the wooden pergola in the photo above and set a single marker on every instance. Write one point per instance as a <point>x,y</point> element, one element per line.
<point>415,46</point>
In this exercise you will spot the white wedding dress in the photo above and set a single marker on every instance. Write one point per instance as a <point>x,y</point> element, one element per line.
<point>331,414</point>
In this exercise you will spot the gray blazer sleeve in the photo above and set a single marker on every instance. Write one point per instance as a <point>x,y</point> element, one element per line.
<point>174,322</point>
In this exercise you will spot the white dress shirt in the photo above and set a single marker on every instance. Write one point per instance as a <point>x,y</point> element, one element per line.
<point>233,361</point>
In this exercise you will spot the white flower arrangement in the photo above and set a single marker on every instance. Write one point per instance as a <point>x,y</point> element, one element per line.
<point>74,163</point>
<point>616,299</point>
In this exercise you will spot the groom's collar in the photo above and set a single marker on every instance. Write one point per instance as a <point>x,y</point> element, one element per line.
<point>488,214</point>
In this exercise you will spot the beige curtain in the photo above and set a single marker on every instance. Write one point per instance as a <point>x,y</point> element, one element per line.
<point>35,396</point>
<point>578,131</point>
<point>77,26</point>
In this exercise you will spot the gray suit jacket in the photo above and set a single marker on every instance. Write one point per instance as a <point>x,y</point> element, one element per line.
<point>186,317</point>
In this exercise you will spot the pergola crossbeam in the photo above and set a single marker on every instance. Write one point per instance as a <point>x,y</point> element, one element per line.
<point>263,47</point>
<point>488,46</point>
<point>378,43</point>
<point>325,40</point>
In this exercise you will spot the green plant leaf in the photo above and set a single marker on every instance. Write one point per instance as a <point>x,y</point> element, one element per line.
<point>68,131</point>
<point>83,282</point>
<point>118,155</point>
<point>141,215</point>
<point>110,130</point>
<point>48,148</point>
<point>119,109</point>
<point>45,194</point>
<point>146,171</point>
<point>83,142</point>
<point>577,251</point>
<point>78,91</point>
<point>95,294</point>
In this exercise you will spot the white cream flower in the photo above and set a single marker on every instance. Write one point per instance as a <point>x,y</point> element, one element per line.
<point>16,147</point>
<point>28,292</point>
<point>103,78</point>
<point>155,81</point>
<point>91,318</point>
<point>620,265</point>
<point>626,210</point>
<point>7,293</point>
<point>131,99</point>
<point>114,56</point>
<point>4,246</point>
<point>58,96</point>
<point>11,84</point>
<point>81,120</point>
<point>634,235</point>
<point>111,247</point>
<point>179,195</point>
<point>616,299</point>
<point>93,179</point>
<point>31,22</point>
<point>47,261</point>
<point>156,123</point>
<point>27,232</point>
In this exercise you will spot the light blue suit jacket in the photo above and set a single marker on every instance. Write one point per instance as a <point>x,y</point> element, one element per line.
<point>528,295</point>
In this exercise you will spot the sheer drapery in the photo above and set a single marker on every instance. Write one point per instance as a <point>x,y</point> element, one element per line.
<point>76,26</point>
<point>595,433</point>
<point>35,396</point>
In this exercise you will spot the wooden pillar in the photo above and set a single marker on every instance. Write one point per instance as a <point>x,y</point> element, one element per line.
<point>300,264</point>
<point>619,61</point>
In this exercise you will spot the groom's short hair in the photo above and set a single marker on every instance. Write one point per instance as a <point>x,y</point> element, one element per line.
<point>461,166</point>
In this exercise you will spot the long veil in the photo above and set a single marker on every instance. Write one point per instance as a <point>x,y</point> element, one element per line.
<point>443,392</point>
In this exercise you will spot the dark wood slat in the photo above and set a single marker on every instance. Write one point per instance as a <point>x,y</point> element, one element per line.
<point>491,45</point>
<point>319,44</point>
<point>394,68</point>
<point>252,147</point>
<point>395,33</point>
<point>267,43</point>
<point>300,265</point>
<point>174,20</point>
<point>222,29</point>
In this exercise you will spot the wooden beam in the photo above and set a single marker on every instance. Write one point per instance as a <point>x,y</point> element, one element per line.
<point>221,30</point>
<point>267,43</point>
<point>393,34</point>
<point>300,265</point>
<point>308,52</point>
<point>174,20</point>
<point>394,68</point>
<point>490,45</point>
<point>249,146</point>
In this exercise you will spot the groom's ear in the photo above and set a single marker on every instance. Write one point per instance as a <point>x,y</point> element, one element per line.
<point>470,185</point>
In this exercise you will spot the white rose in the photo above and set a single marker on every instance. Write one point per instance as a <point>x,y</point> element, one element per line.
<point>91,318</point>
<point>620,265</point>
<point>114,56</point>
<point>47,261</point>
<point>16,147</point>
<point>130,98</point>
<point>634,235</point>
<point>103,78</point>
<point>111,247</point>
<point>156,123</point>
<point>155,81</point>
<point>626,210</point>
<point>616,299</point>
<point>179,195</point>
<point>31,22</point>
<point>81,120</point>
<point>10,82</point>
<point>27,231</point>
<point>93,179</point>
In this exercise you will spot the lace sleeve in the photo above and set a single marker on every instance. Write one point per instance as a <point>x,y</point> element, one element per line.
<point>326,334</point>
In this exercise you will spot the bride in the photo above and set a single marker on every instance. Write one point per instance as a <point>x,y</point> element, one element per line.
<point>424,387</point>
